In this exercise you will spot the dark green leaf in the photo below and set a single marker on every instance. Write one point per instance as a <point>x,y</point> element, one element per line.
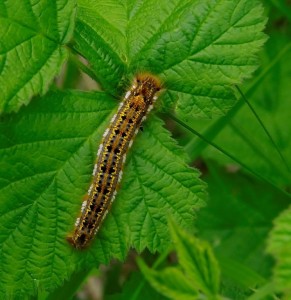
<point>197,271</point>
<point>279,245</point>
<point>237,221</point>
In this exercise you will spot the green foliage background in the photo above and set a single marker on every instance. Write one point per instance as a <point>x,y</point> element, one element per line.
<point>49,135</point>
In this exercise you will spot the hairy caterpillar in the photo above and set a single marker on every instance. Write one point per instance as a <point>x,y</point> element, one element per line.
<point>111,156</point>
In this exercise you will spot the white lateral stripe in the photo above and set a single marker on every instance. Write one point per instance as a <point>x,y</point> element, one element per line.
<point>94,170</point>
<point>113,119</point>
<point>106,132</point>
<point>127,95</point>
<point>150,108</point>
<point>99,149</point>
<point>120,176</point>
<point>83,206</point>
<point>90,189</point>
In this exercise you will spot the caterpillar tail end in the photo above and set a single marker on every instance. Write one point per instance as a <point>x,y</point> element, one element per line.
<point>71,241</point>
<point>78,242</point>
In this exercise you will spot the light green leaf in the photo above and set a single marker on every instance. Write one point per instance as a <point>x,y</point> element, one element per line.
<point>197,260</point>
<point>264,292</point>
<point>197,271</point>
<point>199,48</point>
<point>170,282</point>
<point>46,160</point>
<point>32,39</point>
<point>279,245</point>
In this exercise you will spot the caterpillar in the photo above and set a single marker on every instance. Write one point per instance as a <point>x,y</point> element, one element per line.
<point>111,156</point>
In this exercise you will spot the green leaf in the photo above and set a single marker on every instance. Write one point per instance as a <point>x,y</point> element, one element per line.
<point>32,39</point>
<point>197,271</point>
<point>237,221</point>
<point>69,288</point>
<point>197,260</point>
<point>158,180</point>
<point>242,275</point>
<point>135,288</point>
<point>170,282</point>
<point>283,7</point>
<point>264,292</point>
<point>279,245</point>
<point>199,48</point>
<point>46,160</point>
<point>98,38</point>
<point>244,137</point>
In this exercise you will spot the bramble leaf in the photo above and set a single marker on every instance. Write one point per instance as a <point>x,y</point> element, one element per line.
<point>197,272</point>
<point>46,161</point>
<point>199,48</point>
<point>170,282</point>
<point>32,52</point>
<point>48,149</point>
<point>279,245</point>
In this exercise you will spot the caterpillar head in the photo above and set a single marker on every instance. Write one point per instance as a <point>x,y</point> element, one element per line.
<point>147,86</point>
